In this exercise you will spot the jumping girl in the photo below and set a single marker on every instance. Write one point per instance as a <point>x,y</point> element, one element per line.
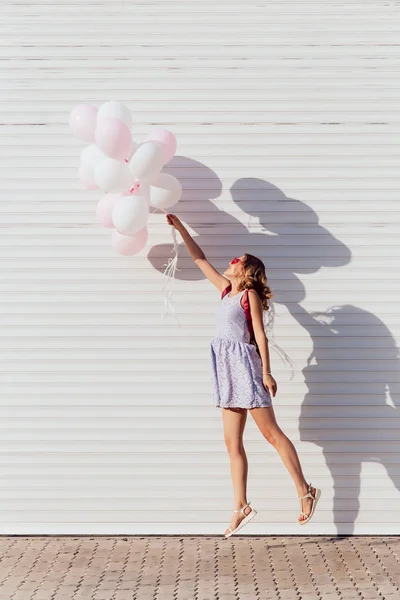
<point>241,374</point>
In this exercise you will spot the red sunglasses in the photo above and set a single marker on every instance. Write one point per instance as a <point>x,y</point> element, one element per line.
<point>235,260</point>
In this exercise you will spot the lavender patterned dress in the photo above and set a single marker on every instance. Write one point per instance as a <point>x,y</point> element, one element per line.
<point>236,366</point>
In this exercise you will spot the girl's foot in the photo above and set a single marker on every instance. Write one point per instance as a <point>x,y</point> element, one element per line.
<point>306,504</point>
<point>238,517</point>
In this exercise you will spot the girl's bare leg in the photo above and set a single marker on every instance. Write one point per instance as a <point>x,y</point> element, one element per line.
<point>234,420</point>
<point>266,422</point>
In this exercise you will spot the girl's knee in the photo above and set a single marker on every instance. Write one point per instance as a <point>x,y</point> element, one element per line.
<point>274,435</point>
<point>233,448</point>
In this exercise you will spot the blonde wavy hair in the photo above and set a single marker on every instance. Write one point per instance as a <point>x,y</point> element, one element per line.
<point>255,277</point>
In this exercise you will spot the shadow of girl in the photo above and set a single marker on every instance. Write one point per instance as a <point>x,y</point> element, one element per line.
<point>354,361</point>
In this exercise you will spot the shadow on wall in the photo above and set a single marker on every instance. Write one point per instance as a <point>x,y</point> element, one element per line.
<point>352,375</point>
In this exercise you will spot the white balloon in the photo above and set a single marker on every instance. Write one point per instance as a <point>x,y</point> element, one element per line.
<point>113,176</point>
<point>130,214</point>
<point>115,110</point>
<point>135,146</point>
<point>165,191</point>
<point>147,161</point>
<point>87,179</point>
<point>90,157</point>
<point>144,190</point>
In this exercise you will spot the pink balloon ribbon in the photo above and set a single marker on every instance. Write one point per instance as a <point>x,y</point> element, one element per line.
<point>135,187</point>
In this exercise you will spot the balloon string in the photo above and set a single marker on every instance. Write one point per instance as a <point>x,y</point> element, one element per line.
<point>170,269</point>
<point>269,323</point>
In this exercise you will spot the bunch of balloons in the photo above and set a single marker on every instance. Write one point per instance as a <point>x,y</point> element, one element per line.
<point>129,174</point>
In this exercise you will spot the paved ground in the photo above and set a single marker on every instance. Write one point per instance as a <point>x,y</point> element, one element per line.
<point>199,568</point>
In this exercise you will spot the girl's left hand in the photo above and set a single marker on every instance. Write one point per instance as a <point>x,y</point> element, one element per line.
<point>270,384</point>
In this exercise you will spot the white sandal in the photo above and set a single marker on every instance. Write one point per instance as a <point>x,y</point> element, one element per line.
<point>314,498</point>
<point>247,518</point>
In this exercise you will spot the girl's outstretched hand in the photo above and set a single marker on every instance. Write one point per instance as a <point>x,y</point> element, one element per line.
<point>175,222</point>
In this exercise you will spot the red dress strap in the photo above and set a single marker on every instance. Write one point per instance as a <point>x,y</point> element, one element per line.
<point>246,307</point>
<point>226,290</point>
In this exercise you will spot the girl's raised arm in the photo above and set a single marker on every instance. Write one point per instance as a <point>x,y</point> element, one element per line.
<point>198,255</point>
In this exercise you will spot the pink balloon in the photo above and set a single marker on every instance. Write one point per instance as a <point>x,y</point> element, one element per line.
<point>104,209</point>
<point>113,138</point>
<point>127,245</point>
<point>87,180</point>
<point>165,139</point>
<point>82,121</point>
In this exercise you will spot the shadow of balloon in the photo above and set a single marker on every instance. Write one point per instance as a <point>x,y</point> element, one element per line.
<point>298,239</point>
<point>199,185</point>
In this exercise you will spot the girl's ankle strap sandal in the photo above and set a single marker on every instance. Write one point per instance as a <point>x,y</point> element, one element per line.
<point>314,503</point>
<point>243,522</point>
<point>241,510</point>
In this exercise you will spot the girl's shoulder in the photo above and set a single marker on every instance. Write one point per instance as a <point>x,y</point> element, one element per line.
<point>252,293</point>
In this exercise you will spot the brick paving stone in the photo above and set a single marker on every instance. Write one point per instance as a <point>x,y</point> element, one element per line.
<point>6,590</point>
<point>41,595</point>
<point>20,595</point>
<point>370,594</point>
<point>249,568</point>
<point>85,589</point>
<point>104,595</point>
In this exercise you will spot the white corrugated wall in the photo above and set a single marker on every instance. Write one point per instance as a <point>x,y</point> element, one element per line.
<point>287,118</point>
